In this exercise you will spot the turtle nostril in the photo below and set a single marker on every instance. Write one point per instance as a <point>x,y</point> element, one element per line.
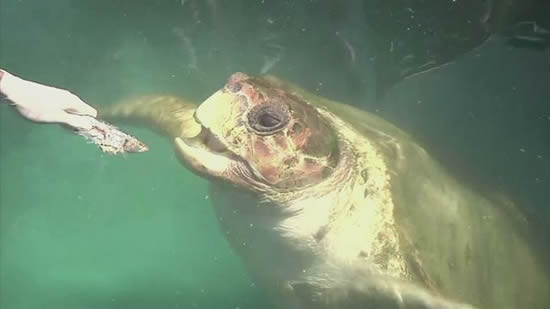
<point>233,86</point>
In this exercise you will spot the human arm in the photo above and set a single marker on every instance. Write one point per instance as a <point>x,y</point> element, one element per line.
<point>46,104</point>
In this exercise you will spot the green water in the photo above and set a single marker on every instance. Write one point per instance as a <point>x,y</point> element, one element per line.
<point>79,229</point>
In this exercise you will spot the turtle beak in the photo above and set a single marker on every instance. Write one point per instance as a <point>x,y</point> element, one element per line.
<point>201,159</point>
<point>216,112</point>
<point>204,152</point>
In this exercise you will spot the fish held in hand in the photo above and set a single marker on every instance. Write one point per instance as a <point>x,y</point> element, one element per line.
<point>111,139</point>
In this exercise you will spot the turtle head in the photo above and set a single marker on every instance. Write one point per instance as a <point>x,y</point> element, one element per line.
<point>257,135</point>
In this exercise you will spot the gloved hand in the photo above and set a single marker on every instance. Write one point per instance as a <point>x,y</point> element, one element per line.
<point>43,103</point>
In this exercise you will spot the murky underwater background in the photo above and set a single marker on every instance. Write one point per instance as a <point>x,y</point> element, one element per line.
<point>80,229</point>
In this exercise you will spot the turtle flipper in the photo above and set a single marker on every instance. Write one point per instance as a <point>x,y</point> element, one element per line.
<point>358,286</point>
<point>370,294</point>
<point>171,115</point>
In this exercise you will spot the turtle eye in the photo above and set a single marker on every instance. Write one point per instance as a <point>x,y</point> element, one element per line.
<point>268,118</point>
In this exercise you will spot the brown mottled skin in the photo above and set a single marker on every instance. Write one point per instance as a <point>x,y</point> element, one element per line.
<point>332,207</point>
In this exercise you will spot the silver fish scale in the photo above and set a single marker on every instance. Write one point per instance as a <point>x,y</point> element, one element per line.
<point>111,139</point>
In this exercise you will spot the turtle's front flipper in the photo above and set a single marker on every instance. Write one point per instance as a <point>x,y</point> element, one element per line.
<point>357,286</point>
<point>371,294</point>
<point>171,115</point>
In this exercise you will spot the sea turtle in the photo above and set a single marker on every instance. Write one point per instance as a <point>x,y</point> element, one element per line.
<point>333,207</point>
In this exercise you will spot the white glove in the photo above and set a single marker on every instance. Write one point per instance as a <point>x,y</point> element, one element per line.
<point>42,103</point>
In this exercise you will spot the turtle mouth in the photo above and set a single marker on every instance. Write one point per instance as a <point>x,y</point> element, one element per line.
<point>210,141</point>
<point>207,155</point>
<point>207,141</point>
